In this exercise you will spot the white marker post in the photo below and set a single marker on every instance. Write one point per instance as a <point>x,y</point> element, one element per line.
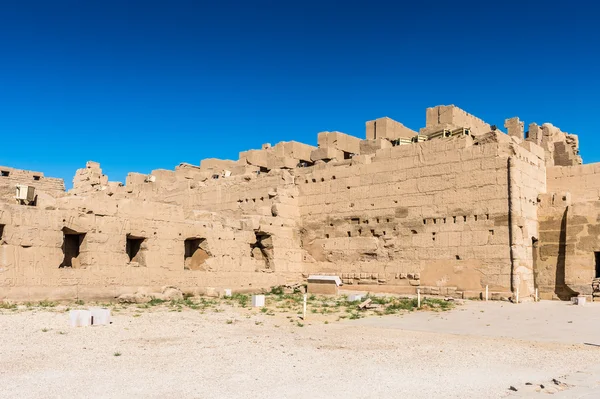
<point>537,298</point>
<point>486,293</point>
<point>304,314</point>
<point>418,297</point>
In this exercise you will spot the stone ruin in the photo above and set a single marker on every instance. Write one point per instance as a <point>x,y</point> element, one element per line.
<point>449,210</point>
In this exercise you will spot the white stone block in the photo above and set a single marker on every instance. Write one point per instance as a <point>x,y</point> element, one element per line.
<point>80,318</point>
<point>355,297</point>
<point>258,301</point>
<point>227,292</point>
<point>100,316</point>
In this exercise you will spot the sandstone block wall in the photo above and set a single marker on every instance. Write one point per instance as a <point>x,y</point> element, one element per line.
<point>436,209</point>
<point>448,216</point>
<point>32,241</point>
<point>451,117</point>
<point>527,175</point>
<point>386,128</point>
<point>45,186</point>
<point>569,222</point>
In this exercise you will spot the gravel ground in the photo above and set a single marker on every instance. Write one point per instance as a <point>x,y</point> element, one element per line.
<point>244,353</point>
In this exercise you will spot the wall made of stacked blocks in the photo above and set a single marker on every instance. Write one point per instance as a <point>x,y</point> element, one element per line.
<point>436,210</point>
<point>528,181</point>
<point>45,186</point>
<point>32,238</point>
<point>569,222</point>
<point>582,181</point>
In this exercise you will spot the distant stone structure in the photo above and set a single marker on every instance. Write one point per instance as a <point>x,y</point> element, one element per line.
<point>449,210</point>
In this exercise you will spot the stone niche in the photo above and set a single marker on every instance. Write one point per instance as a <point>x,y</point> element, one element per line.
<point>196,253</point>
<point>73,242</point>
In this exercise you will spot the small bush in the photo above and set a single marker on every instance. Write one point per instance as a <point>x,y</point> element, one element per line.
<point>401,304</point>
<point>242,299</point>
<point>155,301</point>
<point>189,303</point>
<point>354,315</point>
<point>117,354</point>
<point>380,300</point>
<point>6,305</point>
<point>278,290</point>
<point>46,304</point>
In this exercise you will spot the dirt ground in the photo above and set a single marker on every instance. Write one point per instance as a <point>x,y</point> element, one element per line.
<point>219,349</point>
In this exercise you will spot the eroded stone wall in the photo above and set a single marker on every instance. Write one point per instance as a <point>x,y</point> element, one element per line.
<point>451,210</point>
<point>569,223</point>
<point>437,210</point>
<point>45,186</point>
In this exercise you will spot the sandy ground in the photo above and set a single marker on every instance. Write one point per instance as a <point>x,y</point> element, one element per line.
<point>477,350</point>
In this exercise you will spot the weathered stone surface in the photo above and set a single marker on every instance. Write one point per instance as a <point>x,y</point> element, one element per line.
<point>451,215</point>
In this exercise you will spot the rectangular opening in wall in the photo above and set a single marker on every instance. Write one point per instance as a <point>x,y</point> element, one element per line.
<point>597,256</point>
<point>133,247</point>
<point>71,247</point>
<point>5,173</point>
<point>195,254</point>
<point>1,232</point>
<point>36,177</point>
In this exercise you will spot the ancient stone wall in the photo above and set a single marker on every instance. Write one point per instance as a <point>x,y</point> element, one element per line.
<point>569,219</point>
<point>33,242</point>
<point>45,186</point>
<point>452,117</point>
<point>393,213</point>
<point>437,210</point>
<point>245,227</point>
<point>527,180</point>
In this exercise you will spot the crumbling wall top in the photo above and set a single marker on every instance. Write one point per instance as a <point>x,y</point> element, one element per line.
<point>452,117</point>
<point>387,128</point>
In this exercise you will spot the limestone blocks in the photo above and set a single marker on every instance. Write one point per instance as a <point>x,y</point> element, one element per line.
<point>451,117</point>
<point>515,128</point>
<point>389,129</point>
<point>89,179</point>
<point>326,154</point>
<point>284,155</point>
<point>339,141</point>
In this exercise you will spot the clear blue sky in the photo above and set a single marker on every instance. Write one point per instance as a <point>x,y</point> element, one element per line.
<point>142,85</point>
